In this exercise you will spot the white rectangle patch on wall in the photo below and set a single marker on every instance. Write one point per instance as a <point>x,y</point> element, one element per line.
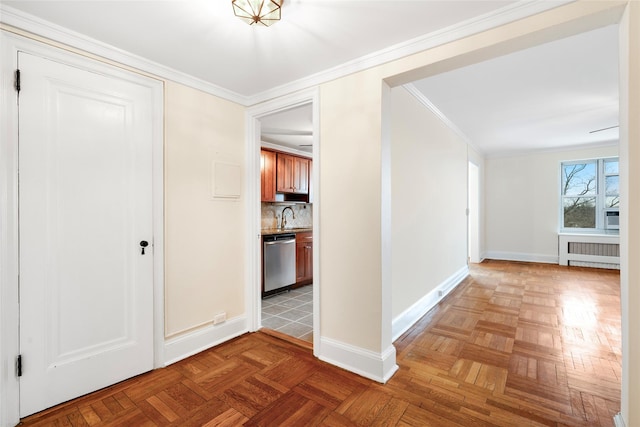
<point>226,180</point>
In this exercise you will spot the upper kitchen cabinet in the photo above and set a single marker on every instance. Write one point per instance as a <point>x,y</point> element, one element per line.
<point>292,174</point>
<point>268,175</point>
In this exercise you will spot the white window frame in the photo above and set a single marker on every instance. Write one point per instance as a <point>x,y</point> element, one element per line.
<point>600,195</point>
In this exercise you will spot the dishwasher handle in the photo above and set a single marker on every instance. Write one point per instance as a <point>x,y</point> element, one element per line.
<point>279,242</point>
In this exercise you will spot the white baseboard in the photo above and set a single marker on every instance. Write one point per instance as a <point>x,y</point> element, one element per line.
<point>411,315</point>
<point>524,257</point>
<point>618,421</point>
<point>176,349</point>
<point>369,364</point>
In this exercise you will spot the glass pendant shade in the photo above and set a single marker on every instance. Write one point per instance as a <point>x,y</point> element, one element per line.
<point>260,12</point>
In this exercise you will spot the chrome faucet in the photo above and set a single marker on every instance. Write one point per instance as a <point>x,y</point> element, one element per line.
<point>284,219</point>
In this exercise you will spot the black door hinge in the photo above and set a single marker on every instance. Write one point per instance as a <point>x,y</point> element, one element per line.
<point>19,365</point>
<point>17,81</point>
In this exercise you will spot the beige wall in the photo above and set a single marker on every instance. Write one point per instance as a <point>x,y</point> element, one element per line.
<point>429,200</point>
<point>630,211</point>
<point>349,212</point>
<point>204,250</point>
<point>522,202</point>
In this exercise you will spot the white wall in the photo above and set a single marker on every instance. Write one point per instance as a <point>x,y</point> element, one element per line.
<point>473,212</point>
<point>522,203</point>
<point>429,201</point>
<point>478,159</point>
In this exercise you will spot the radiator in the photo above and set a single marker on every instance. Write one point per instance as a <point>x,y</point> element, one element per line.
<point>589,250</point>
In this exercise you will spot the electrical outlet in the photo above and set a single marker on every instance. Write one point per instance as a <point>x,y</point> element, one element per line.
<point>219,318</point>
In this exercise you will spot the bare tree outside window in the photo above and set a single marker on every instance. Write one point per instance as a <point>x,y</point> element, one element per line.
<point>589,189</point>
<point>579,189</point>
<point>612,183</point>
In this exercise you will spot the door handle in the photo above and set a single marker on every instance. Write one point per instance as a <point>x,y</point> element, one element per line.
<point>143,244</point>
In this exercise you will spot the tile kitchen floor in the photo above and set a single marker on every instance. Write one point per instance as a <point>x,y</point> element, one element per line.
<point>290,313</point>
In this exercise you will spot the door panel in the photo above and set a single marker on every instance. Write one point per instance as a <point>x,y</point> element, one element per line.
<point>86,310</point>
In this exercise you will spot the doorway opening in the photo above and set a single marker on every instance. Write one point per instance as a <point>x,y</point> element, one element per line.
<point>286,221</point>
<point>474,213</point>
<point>284,138</point>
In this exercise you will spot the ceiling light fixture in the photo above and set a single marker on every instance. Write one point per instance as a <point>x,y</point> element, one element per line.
<point>263,12</point>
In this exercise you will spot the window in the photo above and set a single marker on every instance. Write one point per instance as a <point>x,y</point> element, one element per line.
<point>590,188</point>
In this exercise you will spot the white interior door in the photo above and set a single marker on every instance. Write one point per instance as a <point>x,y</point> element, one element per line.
<point>85,200</point>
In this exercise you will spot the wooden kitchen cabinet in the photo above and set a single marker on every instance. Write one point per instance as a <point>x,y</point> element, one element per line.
<point>301,175</point>
<point>304,258</point>
<point>268,175</point>
<point>292,174</point>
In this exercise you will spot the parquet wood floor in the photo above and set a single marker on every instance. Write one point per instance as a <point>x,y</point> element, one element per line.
<point>515,344</point>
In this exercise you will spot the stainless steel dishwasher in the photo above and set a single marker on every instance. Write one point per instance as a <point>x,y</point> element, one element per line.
<point>279,258</point>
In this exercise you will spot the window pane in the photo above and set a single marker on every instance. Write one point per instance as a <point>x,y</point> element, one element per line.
<point>579,179</point>
<point>612,202</point>
<point>579,212</point>
<point>612,185</point>
<point>611,167</point>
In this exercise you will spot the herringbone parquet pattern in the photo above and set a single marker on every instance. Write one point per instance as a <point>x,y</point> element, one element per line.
<point>515,344</point>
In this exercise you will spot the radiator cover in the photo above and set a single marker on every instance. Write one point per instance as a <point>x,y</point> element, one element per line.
<point>589,250</point>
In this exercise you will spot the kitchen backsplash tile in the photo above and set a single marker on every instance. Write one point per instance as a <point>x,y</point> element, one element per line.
<point>272,214</point>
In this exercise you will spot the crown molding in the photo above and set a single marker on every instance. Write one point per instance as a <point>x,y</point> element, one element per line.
<point>505,15</point>
<point>420,97</point>
<point>22,21</point>
<point>19,20</point>
<point>531,152</point>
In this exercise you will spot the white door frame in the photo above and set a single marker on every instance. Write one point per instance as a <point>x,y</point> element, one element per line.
<point>253,220</point>
<point>10,45</point>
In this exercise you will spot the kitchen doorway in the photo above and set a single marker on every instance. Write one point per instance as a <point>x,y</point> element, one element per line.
<point>276,129</point>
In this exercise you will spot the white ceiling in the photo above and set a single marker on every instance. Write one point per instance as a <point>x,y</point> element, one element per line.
<point>204,39</point>
<point>537,98</point>
<point>545,97</point>
<point>292,128</point>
